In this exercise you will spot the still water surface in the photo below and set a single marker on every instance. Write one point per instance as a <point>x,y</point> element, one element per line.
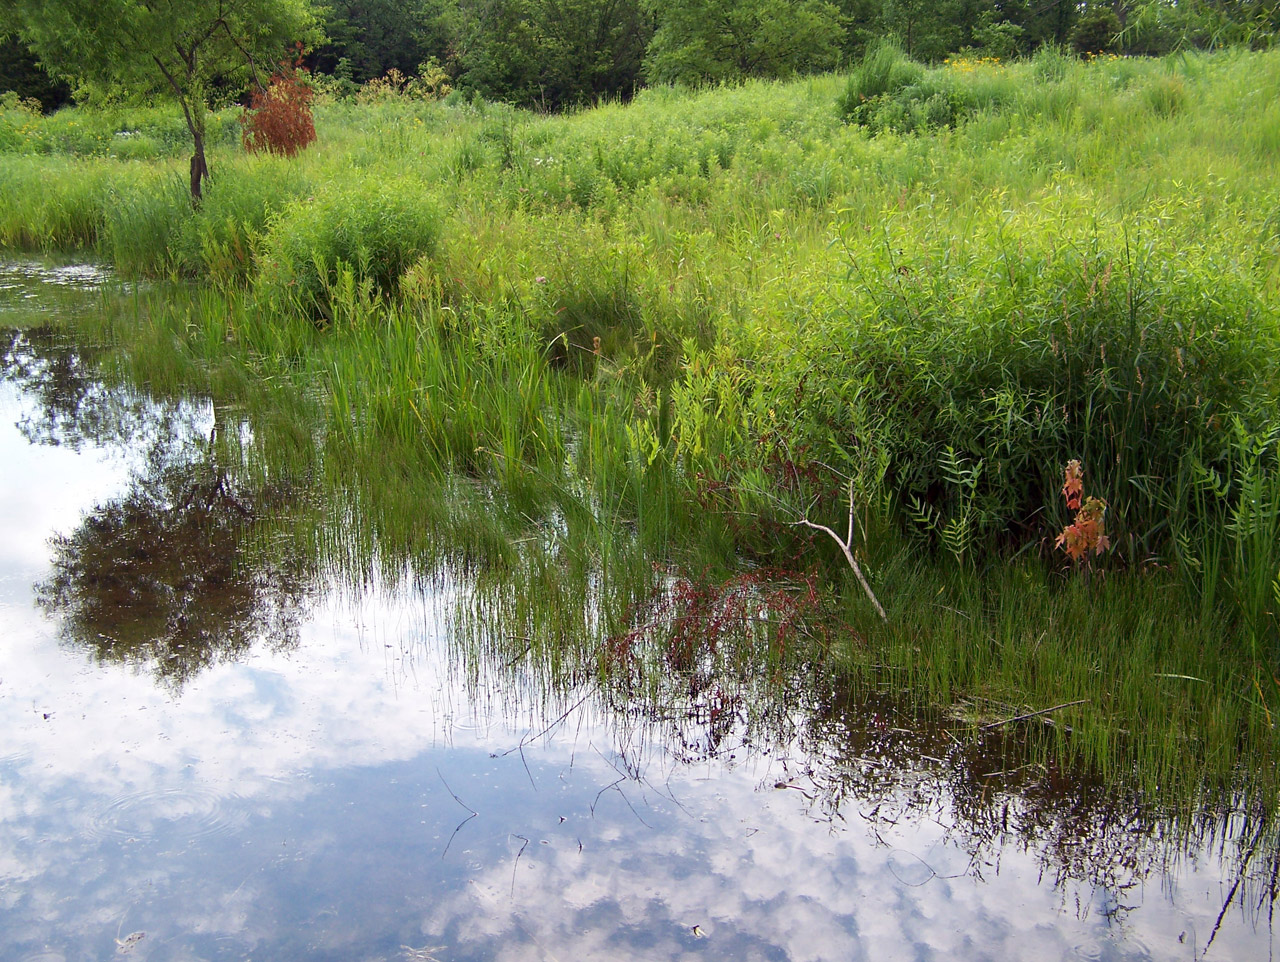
<point>210,751</point>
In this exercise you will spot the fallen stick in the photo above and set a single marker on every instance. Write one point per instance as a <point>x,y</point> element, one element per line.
<point>846,546</point>
<point>1031,714</point>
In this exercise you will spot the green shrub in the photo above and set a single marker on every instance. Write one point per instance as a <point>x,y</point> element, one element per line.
<point>132,145</point>
<point>889,92</point>
<point>883,70</point>
<point>139,133</point>
<point>370,232</point>
<point>1012,358</point>
<point>1096,30</point>
<point>221,238</point>
<point>18,118</point>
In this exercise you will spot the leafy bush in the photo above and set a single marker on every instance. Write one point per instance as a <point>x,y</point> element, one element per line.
<point>370,231</point>
<point>17,117</point>
<point>970,372</point>
<point>431,83</point>
<point>1096,30</point>
<point>884,70</point>
<point>278,120</point>
<point>889,92</point>
<point>141,133</point>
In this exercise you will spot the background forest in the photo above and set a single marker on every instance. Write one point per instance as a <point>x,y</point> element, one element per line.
<point>556,54</point>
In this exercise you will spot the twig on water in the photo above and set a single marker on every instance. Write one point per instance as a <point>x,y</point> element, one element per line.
<point>530,737</point>
<point>515,865</point>
<point>473,814</point>
<point>1235,886</point>
<point>1031,714</point>
<point>846,545</point>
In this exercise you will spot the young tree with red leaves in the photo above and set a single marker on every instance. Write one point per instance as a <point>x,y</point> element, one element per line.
<point>278,118</point>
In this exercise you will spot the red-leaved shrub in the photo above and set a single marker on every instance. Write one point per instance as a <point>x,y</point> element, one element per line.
<point>278,119</point>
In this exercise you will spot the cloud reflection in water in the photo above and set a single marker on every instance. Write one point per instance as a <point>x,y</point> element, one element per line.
<point>312,800</point>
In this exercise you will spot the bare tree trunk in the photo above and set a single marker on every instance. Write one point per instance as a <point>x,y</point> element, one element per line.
<point>193,112</point>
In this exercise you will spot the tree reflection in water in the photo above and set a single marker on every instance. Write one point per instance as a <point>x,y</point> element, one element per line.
<point>72,407</point>
<point>176,574</point>
<point>181,571</point>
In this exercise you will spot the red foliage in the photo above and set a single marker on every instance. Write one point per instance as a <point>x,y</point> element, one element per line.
<point>278,119</point>
<point>1086,533</point>
<point>690,619</point>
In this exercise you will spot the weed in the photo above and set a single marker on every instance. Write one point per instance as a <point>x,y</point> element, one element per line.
<point>1087,532</point>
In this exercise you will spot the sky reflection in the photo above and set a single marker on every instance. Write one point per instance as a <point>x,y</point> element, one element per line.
<point>356,796</point>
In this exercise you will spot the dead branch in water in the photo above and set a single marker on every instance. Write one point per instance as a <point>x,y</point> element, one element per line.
<point>846,545</point>
<point>1031,714</point>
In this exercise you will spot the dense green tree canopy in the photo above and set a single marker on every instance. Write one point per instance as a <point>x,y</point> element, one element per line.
<point>374,36</point>
<point>160,47</point>
<point>717,40</point>
<point>556,54</point>
<point>21,73</point>
<point>548,54</point>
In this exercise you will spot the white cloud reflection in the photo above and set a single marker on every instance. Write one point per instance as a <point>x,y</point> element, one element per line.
<point>294,805</point>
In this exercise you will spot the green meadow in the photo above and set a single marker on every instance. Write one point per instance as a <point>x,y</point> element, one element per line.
<point>610,362</point>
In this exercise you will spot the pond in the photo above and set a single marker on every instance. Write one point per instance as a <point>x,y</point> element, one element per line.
<point>219,744</point>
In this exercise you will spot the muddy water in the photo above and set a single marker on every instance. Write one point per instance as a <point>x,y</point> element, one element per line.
<point>211,747</point>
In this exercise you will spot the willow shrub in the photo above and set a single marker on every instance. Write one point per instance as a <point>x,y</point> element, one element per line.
<point>955,379</point>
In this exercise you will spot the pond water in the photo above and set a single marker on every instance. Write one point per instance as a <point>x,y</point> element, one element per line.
<point>214,747</point>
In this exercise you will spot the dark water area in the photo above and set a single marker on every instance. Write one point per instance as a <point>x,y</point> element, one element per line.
<point>218,745</point>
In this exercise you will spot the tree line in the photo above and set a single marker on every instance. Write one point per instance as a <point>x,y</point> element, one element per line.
<point>550,54</point>
<point>557,54</point>
<point>554,54</point>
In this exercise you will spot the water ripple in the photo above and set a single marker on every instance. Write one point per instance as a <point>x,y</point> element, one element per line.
<point>190,814</point>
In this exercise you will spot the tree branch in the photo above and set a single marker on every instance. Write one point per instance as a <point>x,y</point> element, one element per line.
<point>846,545</point>
<point>253,67</point>
<point>178,92</point>
<point>1031,714</point>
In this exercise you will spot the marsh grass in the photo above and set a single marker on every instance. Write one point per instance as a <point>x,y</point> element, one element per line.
<point>1017,640</point>
<point>664,332</point>
<point>554,559</point>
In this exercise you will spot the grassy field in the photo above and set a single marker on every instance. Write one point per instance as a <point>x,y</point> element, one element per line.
<point>666,332</point>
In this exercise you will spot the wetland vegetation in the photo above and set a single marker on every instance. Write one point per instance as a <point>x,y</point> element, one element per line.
<point>183,615</point>
<point>610,359</point>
